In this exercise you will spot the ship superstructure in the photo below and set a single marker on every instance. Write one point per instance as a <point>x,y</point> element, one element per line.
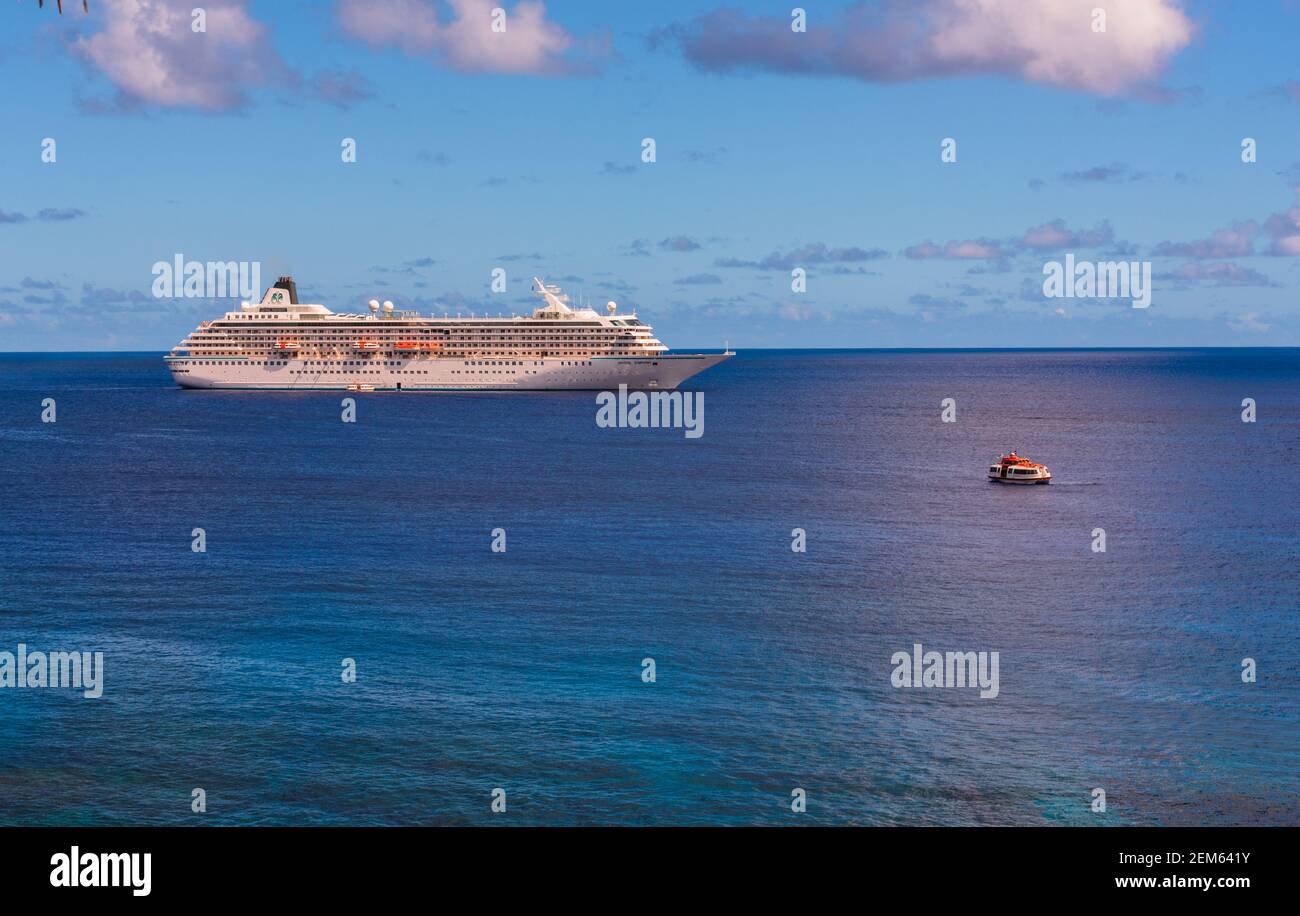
<point>281,343</point>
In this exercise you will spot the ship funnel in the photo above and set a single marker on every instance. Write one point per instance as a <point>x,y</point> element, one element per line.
<point>287,284</point>
<point>283,292</point>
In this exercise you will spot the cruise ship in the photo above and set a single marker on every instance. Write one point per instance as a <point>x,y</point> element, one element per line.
<point>281,343</point>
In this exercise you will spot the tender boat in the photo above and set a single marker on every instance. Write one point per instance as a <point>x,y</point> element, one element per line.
<point>356,386</point>
<point>1015,469</point>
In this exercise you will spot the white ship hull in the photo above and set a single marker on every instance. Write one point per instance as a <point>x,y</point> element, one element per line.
<point>663,371</point>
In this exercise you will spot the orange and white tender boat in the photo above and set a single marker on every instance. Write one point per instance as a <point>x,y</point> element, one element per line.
<point>1015,469</point>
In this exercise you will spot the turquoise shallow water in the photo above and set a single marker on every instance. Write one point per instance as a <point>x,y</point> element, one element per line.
<point>479,670</point>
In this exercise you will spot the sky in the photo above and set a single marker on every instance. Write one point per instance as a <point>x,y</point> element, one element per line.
<point>776,150</point>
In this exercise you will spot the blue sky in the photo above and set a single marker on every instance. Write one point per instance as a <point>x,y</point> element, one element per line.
<point>770,155</point>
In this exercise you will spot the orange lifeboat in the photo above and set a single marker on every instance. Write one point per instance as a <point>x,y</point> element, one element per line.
<point>1013,468</point>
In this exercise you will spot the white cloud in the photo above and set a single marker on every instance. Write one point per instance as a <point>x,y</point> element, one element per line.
<point>1056,235</point>
<point>466,42</point>
<point>148,50</point>
<point>411,25</point>
<point>1052,42</point>
<point>1285,230</point>
<point>969,249</point>
<point>1049,42</point>
<point>1238,240</point>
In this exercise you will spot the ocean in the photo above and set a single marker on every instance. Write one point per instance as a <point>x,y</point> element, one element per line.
<point>525,670</point>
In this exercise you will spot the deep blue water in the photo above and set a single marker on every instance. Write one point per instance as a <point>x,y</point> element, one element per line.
<point>522,670</point>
